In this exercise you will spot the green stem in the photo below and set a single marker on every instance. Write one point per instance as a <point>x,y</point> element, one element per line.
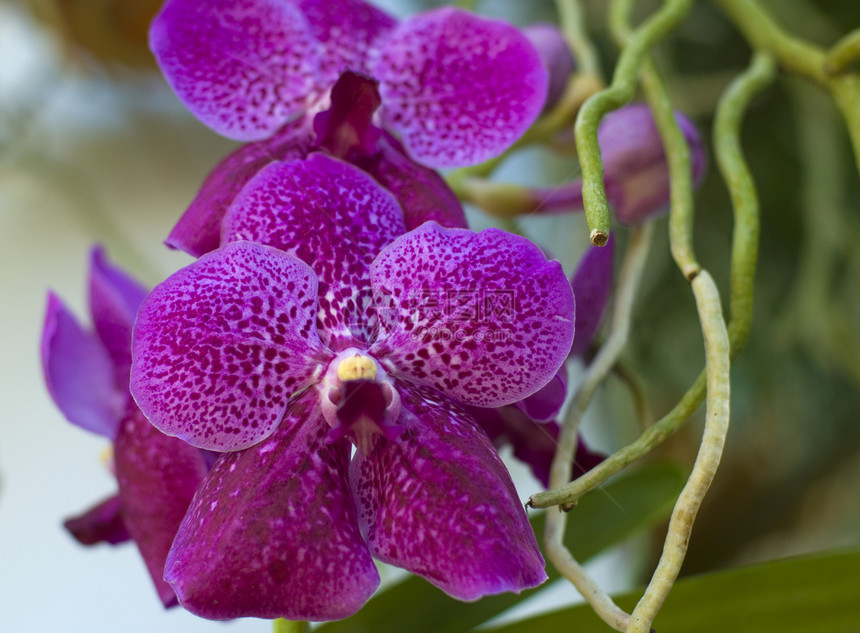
<point>735,172</point>
<point>617,94</point>
<point>799,57</point>
<point>676,148</point>
<point>572,23</point>
<point>842,54</point>
<point>680,173</point>
<point>560,472</point>
<point>744,256</point>
<point>707,461</point>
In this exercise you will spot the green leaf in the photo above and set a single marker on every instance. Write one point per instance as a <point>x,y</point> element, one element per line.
<point>601,519</point>
<point>812,594</point>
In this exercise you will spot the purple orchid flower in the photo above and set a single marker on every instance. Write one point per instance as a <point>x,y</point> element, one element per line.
<point>344,131</point>
<point>456,88</point>
<point>333,327</point>
<point>87,375</point>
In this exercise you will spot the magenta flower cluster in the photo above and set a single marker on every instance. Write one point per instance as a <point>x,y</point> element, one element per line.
<point>323,385</point>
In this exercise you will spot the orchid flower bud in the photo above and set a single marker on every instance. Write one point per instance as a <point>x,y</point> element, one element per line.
<point>636,173</point>
<point>556,57</point>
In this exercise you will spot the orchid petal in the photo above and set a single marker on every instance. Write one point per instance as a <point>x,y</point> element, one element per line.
<point>544,404</point>
<point>458,88</point>
<point>273,532</point>
<point>482,317</point>
<point>157,477</point>
<point>221,345</point>
<point>114,300</point>
<point>79,372</point>
<point>102,523</point>
<point>199,229</point>
<point>243,67</point>
<point>439,502</point>
<point>332,216</point>
<point>423,195</point>
<point>347,29</point>
<point>592,285</point>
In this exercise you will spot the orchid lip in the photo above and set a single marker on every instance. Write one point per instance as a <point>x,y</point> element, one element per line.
<point>359,400</point>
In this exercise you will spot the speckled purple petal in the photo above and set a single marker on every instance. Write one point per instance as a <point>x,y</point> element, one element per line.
<point>423,195</point>
<point>157,477</point>
<point>439,502</point>
<point>273,530</point>
<point>100,524</point>
<point>544,404</point>
<point>221,345</point>
<point>114,299</point>
<point>332,216</point>
<point>348,29</point>
<point>79,373</point>
<point>243,67</point>
<point>458,88</point>
<point>592,286</point>
<point>199,229</point>
<point>482,317</point>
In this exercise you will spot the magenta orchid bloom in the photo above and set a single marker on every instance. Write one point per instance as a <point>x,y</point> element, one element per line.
<point>456,88</point>
<point>319,324</point>
<point>87,374</point>
<point>344,131</point>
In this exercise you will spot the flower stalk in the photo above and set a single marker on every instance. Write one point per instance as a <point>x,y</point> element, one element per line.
<point>716,427</point>
<point>570,14</point>
<point>629,278</point>
<point>802,58</point>
<point>619,92</point>
<point>745,203</point>
<point>842,54</point>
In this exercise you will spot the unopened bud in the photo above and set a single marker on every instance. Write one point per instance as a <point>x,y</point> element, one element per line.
<point>636,173</point>
<point>556,56</point>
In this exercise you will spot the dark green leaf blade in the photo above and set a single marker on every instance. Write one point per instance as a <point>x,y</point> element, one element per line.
<point>601,519</point>
<point>819,593</point>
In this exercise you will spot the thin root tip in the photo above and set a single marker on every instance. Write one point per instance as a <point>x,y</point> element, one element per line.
<point>599,237</point>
